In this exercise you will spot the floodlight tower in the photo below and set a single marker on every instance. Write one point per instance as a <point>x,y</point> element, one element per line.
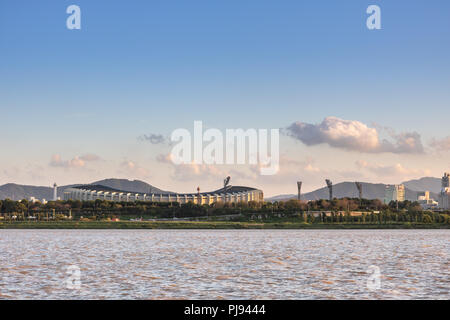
<point>360,191</point>
<point>330,188</point>
<point>299,188</point>
<point>226,181</point>
<point>55,192</point>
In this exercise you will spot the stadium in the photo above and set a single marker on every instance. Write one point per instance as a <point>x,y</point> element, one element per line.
<point>229,194</point>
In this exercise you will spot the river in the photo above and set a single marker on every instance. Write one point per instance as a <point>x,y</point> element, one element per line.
<point>224,264</point>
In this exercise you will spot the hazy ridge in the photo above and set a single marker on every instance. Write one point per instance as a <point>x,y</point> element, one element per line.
<point>18,192</point>
<point>370,190</point>
<point>344,189</point>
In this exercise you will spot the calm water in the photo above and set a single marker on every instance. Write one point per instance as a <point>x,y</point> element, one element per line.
<point>179,264</point>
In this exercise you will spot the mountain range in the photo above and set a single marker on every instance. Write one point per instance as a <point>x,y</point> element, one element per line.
<point>370,190</point>
<point>340,190</point>
<point>18,192</point>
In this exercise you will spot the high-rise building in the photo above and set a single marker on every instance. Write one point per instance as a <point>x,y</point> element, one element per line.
<point>401,192</point>
<point>394,193</point>
<point>444,197</point>
<point>446,180</point>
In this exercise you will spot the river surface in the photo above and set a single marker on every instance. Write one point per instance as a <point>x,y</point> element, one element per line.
<point>224,264</point>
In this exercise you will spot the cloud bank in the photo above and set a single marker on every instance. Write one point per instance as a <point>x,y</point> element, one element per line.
<point>131,168</point>
<point>76,162</point>
<point>441,144</point>
<point>353,135</point>
<point>153,138</point>
<point>391,170</point>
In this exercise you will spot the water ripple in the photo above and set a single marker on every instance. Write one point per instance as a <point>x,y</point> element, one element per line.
<point>224,264</point>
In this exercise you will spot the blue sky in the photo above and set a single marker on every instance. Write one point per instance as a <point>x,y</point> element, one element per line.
<point>140,67</point>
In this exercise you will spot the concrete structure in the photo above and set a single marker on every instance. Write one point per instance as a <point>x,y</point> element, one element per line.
<point>228,194</point>
<point>394,193</point>
<point>360,191</point>
<point>444,197</point>
<point>330,188</point>
<point>55,192</point>
<point>299,189</point>
<point>446,180</point>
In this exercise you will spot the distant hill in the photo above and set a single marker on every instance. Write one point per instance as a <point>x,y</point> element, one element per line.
<point>344,189</point>
<point>340,190</point>
<point>424,184</point>
<point>348,189</point>
<point>128,185</point>
<point>18,192</point>
<point>284,197</point>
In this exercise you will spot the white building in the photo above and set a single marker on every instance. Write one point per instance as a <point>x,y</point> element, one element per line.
<point>231,194</point>
<point>426,202</point>
<point>394,193</point>
<point>429,204</point>
<point>422,196</point>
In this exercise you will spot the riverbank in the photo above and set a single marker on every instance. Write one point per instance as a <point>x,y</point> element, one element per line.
<point>210,225</point>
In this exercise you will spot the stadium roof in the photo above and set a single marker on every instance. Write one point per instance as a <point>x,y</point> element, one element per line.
<point>229,189</point>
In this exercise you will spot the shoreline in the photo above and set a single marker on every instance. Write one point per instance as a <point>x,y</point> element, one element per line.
<point>212,225</point>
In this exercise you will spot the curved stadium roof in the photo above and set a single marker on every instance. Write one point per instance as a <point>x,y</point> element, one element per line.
<point>229,189</point>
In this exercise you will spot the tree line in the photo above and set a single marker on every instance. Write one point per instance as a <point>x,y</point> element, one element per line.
<point>315,211</point>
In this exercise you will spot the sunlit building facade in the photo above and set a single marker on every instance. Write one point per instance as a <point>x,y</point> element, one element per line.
<point>232,194</point>
<point>394,193</point>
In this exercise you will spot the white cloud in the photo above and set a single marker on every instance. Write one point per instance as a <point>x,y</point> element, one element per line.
<point>291,170</point>
<point>391,170</point>
<point>90,157</point>
<point>56,161</point>
<point>153,138</point>
<point>190,171</point>
<point>131,168</point>
<point>76,162</point>
<point>353,135</point>
<point>164,158</point>
<point>406,142</point>
<point>441,144</point>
